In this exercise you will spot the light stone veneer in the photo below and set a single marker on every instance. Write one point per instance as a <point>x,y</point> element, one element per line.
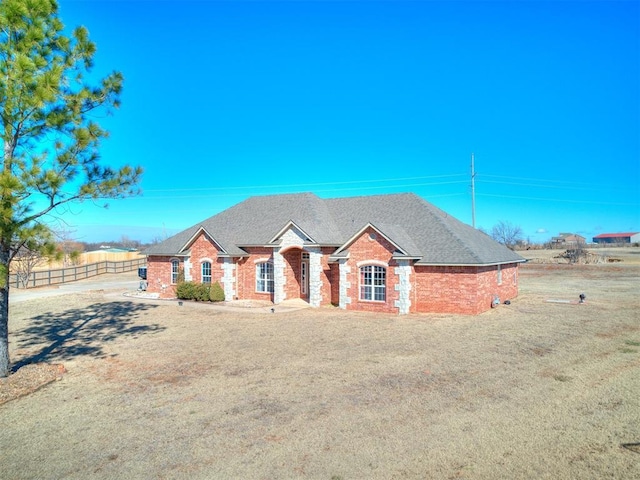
<point>187,270</point>
<point>403,287</point>
<point>278,276</point>
<point>315,281</point>
<point>229,279</point>
<point>293,237</point>
<point>344,284</point>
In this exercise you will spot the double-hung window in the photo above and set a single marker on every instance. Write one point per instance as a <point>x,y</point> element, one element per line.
<point>264,277</point>
<point>175,269</point>
<point>373,283</point>
<point>206,272</point>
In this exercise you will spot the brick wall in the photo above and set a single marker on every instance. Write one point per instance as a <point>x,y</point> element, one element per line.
<point>327,277</point>
<point>159,277</point>
<point>334,278</point>
<point>203,248</point>
<point>246,272</point>
<point>292,261</point>
<point>371,246</point>
<point>468,290</point>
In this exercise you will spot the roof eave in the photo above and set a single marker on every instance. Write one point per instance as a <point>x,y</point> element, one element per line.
<point>465,264</point>
<point>167,254</point>
<point>406,257</point>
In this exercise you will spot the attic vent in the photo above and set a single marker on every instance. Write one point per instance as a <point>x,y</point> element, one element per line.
<point>372,236</point>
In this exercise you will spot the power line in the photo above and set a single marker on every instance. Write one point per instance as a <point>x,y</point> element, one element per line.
<point>562,183</point>
<point>560,187</point>
<point>295,185</point>
<point>559,200</point>
<point>253,192</point>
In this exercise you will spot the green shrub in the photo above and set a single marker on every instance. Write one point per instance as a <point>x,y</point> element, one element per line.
<point>217,293</point>
<point>186,290</point>
<point>202,292</point>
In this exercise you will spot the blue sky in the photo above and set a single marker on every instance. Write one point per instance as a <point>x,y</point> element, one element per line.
<point>228,99</point>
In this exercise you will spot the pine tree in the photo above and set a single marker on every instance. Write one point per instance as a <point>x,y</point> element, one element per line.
<point>50,141</point>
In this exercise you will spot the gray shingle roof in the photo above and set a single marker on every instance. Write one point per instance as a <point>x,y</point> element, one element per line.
<point>417,227</point>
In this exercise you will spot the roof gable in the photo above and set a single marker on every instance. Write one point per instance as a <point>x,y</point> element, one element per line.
<point>201,231</point>
<point>394,234</point>
<point>291,226</point>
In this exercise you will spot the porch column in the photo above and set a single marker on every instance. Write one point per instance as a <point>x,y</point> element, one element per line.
<point>403,287</point>
<point>278,276</point>
<point>187,269</point>
<point>315,279</point>
<point>229,278</point>
<point>344,270</point>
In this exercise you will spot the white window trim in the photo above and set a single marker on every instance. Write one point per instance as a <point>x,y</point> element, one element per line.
<point>266,281</point>
<point>377,263</point>
<point>172,281</point>
<point>202,262</point>
<point>372,264</point>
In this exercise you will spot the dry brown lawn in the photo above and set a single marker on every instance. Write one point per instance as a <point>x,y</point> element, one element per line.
<point>534,389</point>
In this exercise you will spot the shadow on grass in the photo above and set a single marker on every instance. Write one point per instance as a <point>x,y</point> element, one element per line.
<point>81,331</point>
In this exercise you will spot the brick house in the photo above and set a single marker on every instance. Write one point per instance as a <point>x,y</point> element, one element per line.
<point>564,240</point>
<point>383,253</point>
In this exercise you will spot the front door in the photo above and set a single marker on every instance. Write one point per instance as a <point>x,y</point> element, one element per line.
<point>304,276</point>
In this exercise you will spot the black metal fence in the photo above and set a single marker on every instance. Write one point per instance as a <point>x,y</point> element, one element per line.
<point>43,278</point>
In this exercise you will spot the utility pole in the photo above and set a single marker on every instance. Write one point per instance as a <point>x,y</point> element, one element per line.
<point>473,194</point>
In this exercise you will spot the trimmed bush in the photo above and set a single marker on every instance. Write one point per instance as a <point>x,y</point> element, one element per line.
<point>217,293</point>
<point>200,292</point>
<point>186,290</point>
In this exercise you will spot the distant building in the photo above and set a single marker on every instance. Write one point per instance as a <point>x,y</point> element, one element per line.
<point>629,237</point>
<point>564,240</point>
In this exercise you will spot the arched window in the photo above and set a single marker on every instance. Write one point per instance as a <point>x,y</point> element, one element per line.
<point>264,277</point>
<point>206,272</point>
<point>373,283</point>
<point>175,270</point>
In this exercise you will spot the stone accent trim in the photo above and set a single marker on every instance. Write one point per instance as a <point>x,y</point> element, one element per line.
<point>403,287</point>
<point>315,280</point>
<point>345,270</point>
<point>229,279</point>
<point>187,270</point>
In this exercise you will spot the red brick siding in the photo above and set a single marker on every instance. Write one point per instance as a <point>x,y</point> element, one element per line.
<point>334,275</point>
<point>364,249</point>
<point>159,276</point>
<point>444,289</point>
<point>467,290</point>
<point>246,274</point>
<point>203,248</point>
<point>327,277</point>
<point>292,261</point>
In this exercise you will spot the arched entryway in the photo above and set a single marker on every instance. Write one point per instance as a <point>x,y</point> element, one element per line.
<point>296,273</point>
